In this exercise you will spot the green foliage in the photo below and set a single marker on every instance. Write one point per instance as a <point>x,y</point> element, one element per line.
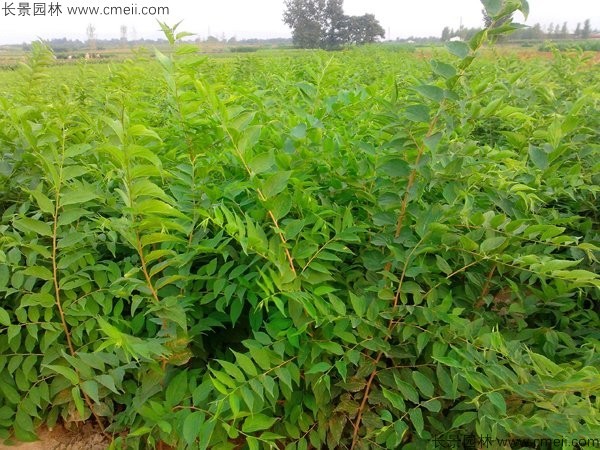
<point>294,253</point>
<point>323,24</point>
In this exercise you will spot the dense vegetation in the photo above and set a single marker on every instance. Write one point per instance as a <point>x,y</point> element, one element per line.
<point>363,249</point>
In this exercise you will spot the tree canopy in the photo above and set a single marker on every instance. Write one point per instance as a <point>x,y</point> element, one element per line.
<point>323,24</point>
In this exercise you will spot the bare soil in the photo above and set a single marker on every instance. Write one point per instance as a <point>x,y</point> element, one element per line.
<point>85,437</point>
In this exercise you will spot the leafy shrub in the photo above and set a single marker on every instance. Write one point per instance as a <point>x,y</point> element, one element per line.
<point>301,251</point>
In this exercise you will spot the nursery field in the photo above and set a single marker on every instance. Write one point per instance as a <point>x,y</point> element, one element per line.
<point>360,249</point>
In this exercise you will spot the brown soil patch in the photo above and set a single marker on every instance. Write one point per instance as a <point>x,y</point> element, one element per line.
<point>86,437</point>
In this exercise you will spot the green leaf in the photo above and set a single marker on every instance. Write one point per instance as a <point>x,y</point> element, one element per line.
<point>192,426</point>
<point>418,113</point>
<point>43,300</point>
<point>250,138</point>
<point>276,183</point>
<point>38,272</point>
<point>463,419</point>
<point>491,244</point>
<point>319,368</point>
<point>4,317</point>
<point>90,387</point>
<point>66,372</point>
<point>76,394</point>
<point>423,383</point>
<point>177,389</point>
<point>280,205</point>
<point>396,399</point>
<point>359,304</point>
<point>395,167</point>
<point>258,422</point>
<point>45,204</point>
<point>408,391</point>
<point>76,196</point>
<point>443,69</point>
<point>498,401</point>
<point>416,417</point>
<point>262,163</point>
<point>458,48</point>
<point>4,276</point>
<point>432,142</point>
<point>493,7</point>
<point>431,92</point>
<point>246,364</point>
<point>539,157</point>
<point>36,226</point>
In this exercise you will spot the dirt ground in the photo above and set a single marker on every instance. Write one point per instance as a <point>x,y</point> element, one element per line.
<point>84,438</point>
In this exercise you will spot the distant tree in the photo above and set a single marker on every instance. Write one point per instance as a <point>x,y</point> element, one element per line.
<point>587,29</point>
<point>557,30</point>
<point>564,31</point>
<point>578,30</point>
<point>537,32</point>
<point>123,35</point>
<point>305,18</point>
<point>91,35</point>
<point>445,34</point>
<point>365,29</point>
<point>323,24</point>
<point>335,25</point>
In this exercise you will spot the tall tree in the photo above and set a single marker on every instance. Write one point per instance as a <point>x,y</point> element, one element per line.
<point>587,29</point>
<point>305,18</point>
<point>335,24</point>
<point>445,34</point>
<point>365,29</point>
<point>323,24</point>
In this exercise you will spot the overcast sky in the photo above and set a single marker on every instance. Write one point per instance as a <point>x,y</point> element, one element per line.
<point>262,18</point>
